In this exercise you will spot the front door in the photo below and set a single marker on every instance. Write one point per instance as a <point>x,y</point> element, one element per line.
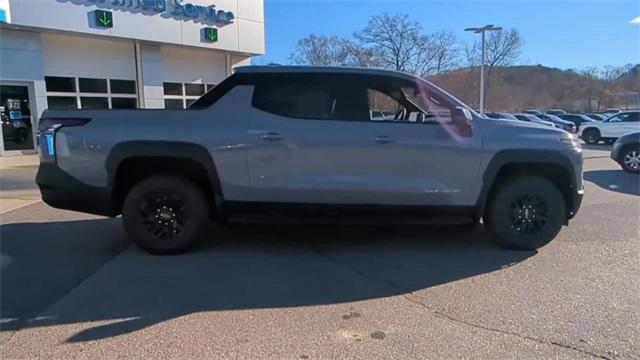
<point>17,122</point>
<point>423,156</point>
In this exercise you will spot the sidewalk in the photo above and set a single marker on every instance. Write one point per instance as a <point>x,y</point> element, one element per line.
<point>17,182</point>
<point>18,161</point>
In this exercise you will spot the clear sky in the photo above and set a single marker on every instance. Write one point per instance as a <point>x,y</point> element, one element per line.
<point>563,33</point>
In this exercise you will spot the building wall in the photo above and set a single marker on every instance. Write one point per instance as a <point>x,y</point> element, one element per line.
<point>66,55</point>
<point>244,35</point>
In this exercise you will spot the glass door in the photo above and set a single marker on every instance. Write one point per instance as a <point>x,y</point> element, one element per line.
<point>15,113</point>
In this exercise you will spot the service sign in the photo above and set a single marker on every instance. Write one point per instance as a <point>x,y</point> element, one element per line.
<point>177,9</point>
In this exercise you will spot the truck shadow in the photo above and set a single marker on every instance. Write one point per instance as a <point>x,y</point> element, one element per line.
<point>615,180</point>
<point>246,267</point>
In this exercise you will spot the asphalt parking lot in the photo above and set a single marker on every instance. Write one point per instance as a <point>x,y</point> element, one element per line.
<point>73,287</point>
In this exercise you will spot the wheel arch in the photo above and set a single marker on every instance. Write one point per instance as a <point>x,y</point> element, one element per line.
<point>546,163</point>
<point>129,162</point>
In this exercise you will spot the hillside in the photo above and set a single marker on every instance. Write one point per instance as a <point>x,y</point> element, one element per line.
<point>521,87</point>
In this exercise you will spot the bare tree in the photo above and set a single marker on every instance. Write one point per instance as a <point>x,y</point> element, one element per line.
<point>399,42</point>
<point>360,56</point>
<point>320,50</point>
<point>502,48</point>
<point>446,50</point>
<point>591,74</point>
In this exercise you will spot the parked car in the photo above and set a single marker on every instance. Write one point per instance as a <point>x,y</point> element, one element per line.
<point>597,117</point>
<point>534,119</point>
<point>563,124</point>
<point>556,112</point>
<point>577,119</point>
<point>501,115</point>
<point>626,152</point>
<point>612,128</point>
<point>613,111</point>
<point>298,143</point>
<point>533,112</point>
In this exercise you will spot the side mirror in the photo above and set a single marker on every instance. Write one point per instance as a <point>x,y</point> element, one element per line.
<point>461,119</point>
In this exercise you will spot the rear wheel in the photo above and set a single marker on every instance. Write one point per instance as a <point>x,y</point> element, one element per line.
<point>630,159</point>
<point>526,213</point>
<point>591,136</point>
<point>165,214</point>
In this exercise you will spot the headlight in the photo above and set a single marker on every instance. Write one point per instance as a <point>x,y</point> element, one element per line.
<point>572,141</point>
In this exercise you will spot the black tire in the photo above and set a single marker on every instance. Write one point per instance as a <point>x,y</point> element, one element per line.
<point>526,213</point>
<point>591,136</point>
<point>21,136</point>
<point>627,156</point>
<point>165,214</point>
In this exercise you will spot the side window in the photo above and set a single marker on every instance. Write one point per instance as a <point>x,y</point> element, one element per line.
<point>399,100</point>
<point>616,119</point>
<point>631,117</point>
<point>295,98</point>
<point>382,106</point>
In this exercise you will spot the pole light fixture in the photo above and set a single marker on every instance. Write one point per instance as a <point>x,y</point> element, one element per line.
<point>482,30</point>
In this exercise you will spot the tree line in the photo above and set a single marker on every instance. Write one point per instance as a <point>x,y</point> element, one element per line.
<point>395,42</point>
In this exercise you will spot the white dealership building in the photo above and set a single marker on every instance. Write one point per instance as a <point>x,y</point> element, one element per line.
<point>100,54</point>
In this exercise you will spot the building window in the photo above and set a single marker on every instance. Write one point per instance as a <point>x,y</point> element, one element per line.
<point>124,103</point>
<point>93,85</point>
<point>62,102</point>
<point>173,104</point>
<point>180,96</point>
<point>94,102</point>
<point>60,84</point>
<point>173,89</point>
<point>64,93</point>
<point>123,86</point>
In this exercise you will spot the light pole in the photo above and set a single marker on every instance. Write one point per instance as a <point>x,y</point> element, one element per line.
<point>482,30</point>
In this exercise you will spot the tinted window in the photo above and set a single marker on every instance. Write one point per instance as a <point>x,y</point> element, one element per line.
<point>297,97</point>
<point>62,102</point>
<point>123,86</point>
<point>194,89</point>
<point>92,85</point>
<point>94,102</point>
<point>60,84</point>
<point>172,88</point>
<point>123,103</point>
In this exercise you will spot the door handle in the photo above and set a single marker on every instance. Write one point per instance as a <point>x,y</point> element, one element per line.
<point>271,136</point>
<point>383,139</point>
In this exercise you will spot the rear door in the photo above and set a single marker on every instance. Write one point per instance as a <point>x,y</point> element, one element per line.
<point>307,143</point>
<point>621,124</point>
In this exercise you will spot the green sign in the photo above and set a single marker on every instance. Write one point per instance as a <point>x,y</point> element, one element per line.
<point>210,34</point>
<point>103,18</point>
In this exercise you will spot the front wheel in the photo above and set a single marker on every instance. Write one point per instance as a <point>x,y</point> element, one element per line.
<point>526,213</point>
<point>165,214</point>
<point>630,159</point>
<point>591,136</point>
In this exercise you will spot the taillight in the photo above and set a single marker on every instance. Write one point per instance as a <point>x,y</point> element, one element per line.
<point>47,135</point>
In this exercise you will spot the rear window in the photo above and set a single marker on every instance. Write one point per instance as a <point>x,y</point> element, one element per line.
<point>296,98</point>
<point>311,96</point>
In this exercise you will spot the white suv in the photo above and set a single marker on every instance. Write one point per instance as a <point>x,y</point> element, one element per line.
<point>612,128</point>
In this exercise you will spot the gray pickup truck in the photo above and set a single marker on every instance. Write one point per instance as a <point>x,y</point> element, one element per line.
<point>283,144</point>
